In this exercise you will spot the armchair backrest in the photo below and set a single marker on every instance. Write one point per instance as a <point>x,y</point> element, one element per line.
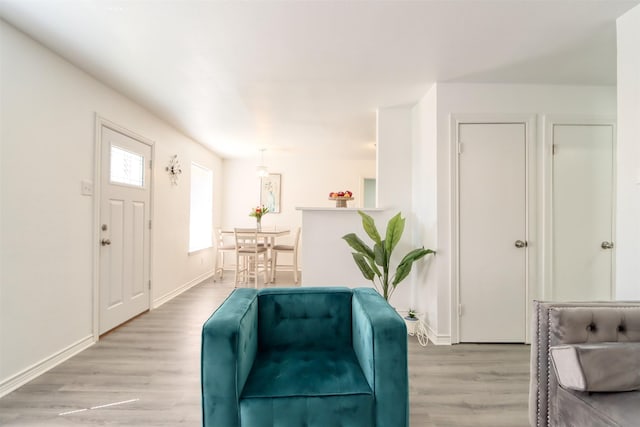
<point>304,318</point>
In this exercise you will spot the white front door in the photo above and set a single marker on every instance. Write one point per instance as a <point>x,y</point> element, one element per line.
<point>492,232</point>
<point>582,206</point>
<point>124,221</point>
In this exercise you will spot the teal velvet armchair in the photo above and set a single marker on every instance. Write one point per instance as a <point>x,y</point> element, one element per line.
<point>312,357</point>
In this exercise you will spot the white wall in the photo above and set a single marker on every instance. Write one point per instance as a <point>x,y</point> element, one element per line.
<point>425,207</point>
<point>173,269</point>
<point>628,179</point>
<point>490,100</point>
<point>394,169</point>
<point>394,157</point>
<point>47,139</point>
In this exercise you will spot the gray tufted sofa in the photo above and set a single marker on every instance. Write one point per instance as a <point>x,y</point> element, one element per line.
<point>556,324</point>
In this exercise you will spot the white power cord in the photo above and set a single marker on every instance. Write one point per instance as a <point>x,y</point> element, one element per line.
<point>421,333</point>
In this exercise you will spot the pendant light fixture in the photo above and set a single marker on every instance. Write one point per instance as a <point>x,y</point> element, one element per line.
<point>261,170</point>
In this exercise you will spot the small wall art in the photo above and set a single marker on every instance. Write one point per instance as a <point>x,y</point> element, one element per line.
<point>174,169</point>
<point>270,192</point>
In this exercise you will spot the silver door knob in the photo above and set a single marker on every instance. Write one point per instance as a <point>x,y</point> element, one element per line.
<point>520,244</point>
<point>607,245</point>
<point>105,242</point>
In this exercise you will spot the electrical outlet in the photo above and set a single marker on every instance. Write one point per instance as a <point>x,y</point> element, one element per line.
<point>87,188</point>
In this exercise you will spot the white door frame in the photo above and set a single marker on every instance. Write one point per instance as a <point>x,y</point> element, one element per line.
<point>529,120</point>
<point>97,197</point>
<point>549,121</point>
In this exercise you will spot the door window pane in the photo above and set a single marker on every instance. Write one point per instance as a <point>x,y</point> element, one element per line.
<point>126,167</point>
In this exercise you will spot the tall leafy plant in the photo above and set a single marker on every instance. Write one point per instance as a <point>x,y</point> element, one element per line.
<point>374,262</point>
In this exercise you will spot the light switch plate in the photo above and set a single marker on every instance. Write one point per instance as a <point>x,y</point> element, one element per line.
<point>87,188</point>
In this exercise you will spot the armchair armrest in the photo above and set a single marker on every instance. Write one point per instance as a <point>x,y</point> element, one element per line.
<point>229,345</point>
<point>380,344</point>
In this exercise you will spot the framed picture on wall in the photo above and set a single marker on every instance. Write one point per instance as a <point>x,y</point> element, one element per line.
<point>270,192</point>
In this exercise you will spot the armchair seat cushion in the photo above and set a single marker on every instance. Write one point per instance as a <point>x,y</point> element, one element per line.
<point>576,408</point>
<point>307,388</point>
<point>326,411</point>
<point>288,373</point>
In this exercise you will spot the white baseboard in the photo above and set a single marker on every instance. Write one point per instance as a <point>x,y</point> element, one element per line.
<point>438,339</point>
<point>190,284</point>
<point>39,368</point>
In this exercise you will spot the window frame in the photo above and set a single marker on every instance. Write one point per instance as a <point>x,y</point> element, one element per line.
<point>207,211</point>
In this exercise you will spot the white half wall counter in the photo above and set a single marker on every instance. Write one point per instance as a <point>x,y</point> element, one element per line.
<point>326,257</point>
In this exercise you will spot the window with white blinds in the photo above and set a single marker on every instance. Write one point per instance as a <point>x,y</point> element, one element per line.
<point>201,211</point>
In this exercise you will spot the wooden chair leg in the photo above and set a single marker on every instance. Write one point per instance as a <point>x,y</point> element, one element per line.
<point>253,267</point>
<point>274,264</point>
<point>242,270</point>
<point>265,269</point>
<point>235,278</point>
<point>215,265</point>
<point>295,268</point>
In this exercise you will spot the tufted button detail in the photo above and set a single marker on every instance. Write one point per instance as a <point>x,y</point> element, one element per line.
<point>621,328</point>
<point>591,327</point>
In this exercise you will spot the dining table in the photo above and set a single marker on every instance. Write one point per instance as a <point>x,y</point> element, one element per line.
<point>268,236</point>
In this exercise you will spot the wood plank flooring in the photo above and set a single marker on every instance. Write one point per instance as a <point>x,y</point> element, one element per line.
<point>152,364</point>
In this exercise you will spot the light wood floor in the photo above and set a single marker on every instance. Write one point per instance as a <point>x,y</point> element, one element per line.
<point>153,362</point>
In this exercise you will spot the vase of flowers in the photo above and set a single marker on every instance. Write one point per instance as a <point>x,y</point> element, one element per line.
<point>257,213</point>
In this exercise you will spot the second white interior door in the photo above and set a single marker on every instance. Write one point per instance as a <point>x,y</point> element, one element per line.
<point>492,232</point>
<point>582,212</point>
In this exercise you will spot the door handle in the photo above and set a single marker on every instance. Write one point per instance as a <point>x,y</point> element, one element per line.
<point>520,244</point>
<point>607,245</point>
<point>105,242</point>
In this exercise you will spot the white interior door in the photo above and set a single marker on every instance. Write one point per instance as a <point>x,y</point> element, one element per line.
<point>492,232</point>
<point>124,219</point>
<point>582,212</point>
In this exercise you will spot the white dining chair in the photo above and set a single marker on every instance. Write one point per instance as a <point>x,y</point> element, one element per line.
<point>251,257</point>
<point>222,248</point>
<point>290,249</point>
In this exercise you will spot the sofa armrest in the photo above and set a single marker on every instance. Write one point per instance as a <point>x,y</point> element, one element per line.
<point>229,345</point>
<point>380,344</point>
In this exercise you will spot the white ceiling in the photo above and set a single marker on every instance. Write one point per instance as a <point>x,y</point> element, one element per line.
<point>305,75</point>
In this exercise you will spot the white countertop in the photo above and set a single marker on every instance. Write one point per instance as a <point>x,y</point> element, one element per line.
<point>334,209</point>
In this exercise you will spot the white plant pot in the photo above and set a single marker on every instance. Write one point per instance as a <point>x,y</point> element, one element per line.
<point>412,325</point>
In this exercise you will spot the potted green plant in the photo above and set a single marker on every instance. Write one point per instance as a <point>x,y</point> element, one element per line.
<point>411,320</point>
<point>374,263</point>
